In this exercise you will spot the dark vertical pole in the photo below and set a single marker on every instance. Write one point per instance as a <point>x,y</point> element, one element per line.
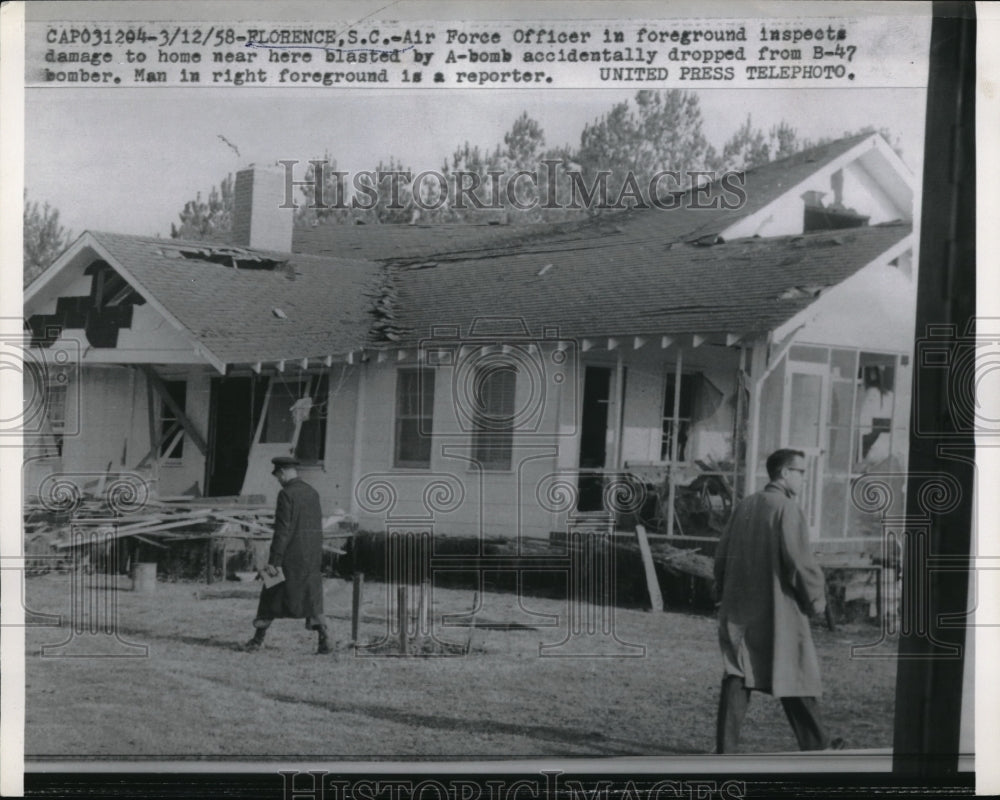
<point>209,566</point>
<point>929,676</point>
<point>359,582</point>
<point>402,614</point>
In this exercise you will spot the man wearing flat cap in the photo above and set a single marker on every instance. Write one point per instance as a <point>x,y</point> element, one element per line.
<point>297,550</point>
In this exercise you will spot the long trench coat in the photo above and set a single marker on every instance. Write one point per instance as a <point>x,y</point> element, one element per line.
<point>297,547</point>
<point>769,583</point>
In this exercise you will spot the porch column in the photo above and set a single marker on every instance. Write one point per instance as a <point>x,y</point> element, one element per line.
<point>675,435</point>
<point>758,372</point>
<point>359,438</point>
<point>616,421</point>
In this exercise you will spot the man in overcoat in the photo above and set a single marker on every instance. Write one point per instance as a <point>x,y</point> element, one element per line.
<point>769,584</point>
<point>297,548</point>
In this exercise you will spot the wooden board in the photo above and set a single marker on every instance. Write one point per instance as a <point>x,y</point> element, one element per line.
<point>652,584</point>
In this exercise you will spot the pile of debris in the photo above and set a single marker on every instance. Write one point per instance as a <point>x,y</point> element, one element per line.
<point>100,533</point>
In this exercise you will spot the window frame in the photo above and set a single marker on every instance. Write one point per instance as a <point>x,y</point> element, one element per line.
<point>172,456</point>
<point>494,431</point>
<point>304,384</point>
<point>668,423</point>
<point>424,416</point>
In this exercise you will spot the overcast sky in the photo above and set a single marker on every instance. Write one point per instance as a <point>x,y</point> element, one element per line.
<point>126,161</point>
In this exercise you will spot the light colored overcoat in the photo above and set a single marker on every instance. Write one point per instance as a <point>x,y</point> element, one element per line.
<point>769,584</point>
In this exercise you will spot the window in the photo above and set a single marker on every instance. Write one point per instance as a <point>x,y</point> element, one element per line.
<point>55,409</point>
<point>414,417</point>
<point>682,425</point>
<point>311,447</point>
<point>493,419</point>
<point>171,430</point>
<point>298,404</point>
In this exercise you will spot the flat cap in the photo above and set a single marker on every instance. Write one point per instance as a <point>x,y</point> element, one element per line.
<point>284,461</point>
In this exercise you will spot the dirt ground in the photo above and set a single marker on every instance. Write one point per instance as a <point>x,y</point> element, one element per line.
<point>156,675</point>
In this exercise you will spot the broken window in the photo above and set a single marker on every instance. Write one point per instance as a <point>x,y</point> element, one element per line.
<point>279,425</point>
<point>311,447</point>
<point>414,417</point>
<point>681,425</point>
<point>298,405</point>
<point>875,400</point>
<point>171,430</point>
<point>493,415</point>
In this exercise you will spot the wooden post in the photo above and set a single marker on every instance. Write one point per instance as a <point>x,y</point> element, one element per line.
<point>655,598</point>
<point>209,566</point>
<point>674,439</point>
<point>402,616</point>
<point>359,582</point>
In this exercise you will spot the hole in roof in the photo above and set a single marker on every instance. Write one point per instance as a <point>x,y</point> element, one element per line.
<point>233,257</point>
<point>798,292</point>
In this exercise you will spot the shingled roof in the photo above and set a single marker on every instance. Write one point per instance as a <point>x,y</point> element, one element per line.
<point>306,306</point>
<point>627,285</point>
<point>630,273</point>
<point>409,243</point>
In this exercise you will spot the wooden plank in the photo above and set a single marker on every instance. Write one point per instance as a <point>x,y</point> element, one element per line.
<point>157,383</point>
<point>144,540</point>
<point>655,597</point>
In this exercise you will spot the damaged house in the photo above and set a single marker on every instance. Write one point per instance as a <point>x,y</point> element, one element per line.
<point>501,380</point>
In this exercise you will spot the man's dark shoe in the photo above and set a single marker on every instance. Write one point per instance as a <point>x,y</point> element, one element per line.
<point>323,642</point>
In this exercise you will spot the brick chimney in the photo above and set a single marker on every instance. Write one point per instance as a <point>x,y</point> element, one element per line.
<point>258,219</point>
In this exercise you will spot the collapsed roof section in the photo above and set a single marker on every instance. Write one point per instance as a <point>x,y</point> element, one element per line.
<point>622,285</point>
<point>661,272</point>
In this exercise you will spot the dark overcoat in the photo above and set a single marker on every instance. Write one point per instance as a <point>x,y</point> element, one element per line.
<point>297,547</point>
<point>769,583</point>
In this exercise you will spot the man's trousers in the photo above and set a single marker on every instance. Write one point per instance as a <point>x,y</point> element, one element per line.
<point>802,712</point>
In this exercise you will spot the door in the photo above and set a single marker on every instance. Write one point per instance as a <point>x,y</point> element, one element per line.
<point>594,437</point>
<point>803,428</point>
<point>235,407</point>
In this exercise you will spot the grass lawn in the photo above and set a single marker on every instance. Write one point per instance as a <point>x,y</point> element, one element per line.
<point>189,693</point>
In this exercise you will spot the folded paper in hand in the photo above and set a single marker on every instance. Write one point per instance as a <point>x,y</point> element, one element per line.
<point>272,580</point>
